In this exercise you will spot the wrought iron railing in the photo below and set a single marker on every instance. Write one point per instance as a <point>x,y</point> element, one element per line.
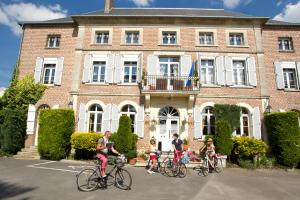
<point>170,83</point>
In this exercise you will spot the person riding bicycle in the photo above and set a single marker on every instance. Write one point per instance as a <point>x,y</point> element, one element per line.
<point>103,146</point>
<point>177,145</point>
<point>153,156</point>
<point>210,151</point>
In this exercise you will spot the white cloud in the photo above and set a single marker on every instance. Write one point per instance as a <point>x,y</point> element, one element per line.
<point>290,13</point>
<point>235,3</point>
<point>11,14</point>
<point>142,3</point>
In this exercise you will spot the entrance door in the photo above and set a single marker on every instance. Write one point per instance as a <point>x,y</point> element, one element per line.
<point>168,125</point>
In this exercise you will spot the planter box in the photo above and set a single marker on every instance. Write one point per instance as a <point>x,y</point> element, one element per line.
<point>224,160</point>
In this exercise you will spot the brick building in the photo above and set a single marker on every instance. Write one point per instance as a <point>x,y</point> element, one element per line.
<point>143,62</point>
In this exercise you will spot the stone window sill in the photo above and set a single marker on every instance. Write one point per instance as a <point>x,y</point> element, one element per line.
<point>242,86</point>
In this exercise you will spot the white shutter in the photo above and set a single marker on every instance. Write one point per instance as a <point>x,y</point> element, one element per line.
<point>228,70</point>
<point>298,69</point>
<point>86,77</point>
<point>185,65</point>
<point>279,75</point>
<point>38,69</point>
<point>140,68</point>
<point>251,67</point>
<point>109,68</point>
<point>198,64</point>
<point>118,68</point>
<point>82,117</point>
<point>106,118</point>
<point>31,119</point>
<point>139,123</point>
<point>115,114</point>
<point>220,70</point>
<point>256,123</point>
<point>197,123</point>
<point>59,70</point>
<point>152,65</point>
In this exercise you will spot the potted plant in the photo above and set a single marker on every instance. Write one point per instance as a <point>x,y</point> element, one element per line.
<point>131,157</point>
<point>185,144</point>
<point>196,78</point>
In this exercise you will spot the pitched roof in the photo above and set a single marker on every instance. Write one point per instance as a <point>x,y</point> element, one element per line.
<point>272,22</point>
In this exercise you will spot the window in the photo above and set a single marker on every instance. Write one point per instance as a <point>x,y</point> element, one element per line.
<point>129,111</point>
<point>169,37</point>
<point>290,78</point>
<point>49,73</point>
<point>53,41</point>
<point>239,72</point>
<point>285,44</point>
<point>236,39</point>
<point>208,119</point>
<point>102,37</point>
<point>206,38</point>
<point>132,37</point>
<point>243,130</point>
<point>99,72</point>
<point>95,118</point>
<point>207,72</point>
<point>130,72</point>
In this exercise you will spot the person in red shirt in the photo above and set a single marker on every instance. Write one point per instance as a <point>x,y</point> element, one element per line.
<point>177,145</point>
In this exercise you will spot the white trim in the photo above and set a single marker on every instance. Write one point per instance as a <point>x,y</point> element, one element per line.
<point>123,103</point>
<point>110,36</point>
<point>237,31</point>
<point>92,102</point>
<point>123,36</point>
<point>205,30</point>
<point>204,105</point>
<point>245,105</point>
<point>160,36</point>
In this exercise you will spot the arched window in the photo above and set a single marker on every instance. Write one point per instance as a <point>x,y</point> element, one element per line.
<point>129,111</point>
<point>95,118</point>
<point>243,130</point>
<point>208,121</point>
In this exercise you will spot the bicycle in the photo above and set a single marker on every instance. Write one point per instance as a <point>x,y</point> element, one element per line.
<point>206,166</point>
<point>90,179</point>
<point>175,169</point>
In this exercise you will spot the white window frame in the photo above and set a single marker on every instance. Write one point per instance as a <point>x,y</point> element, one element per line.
<point>123,37</point>
<point>209,124</point>
<point>246,71</point>
<point>97,30</point>
<point>130,58</point>
<point>98,58</point>
<point>51,61</point>
<point>242,125</point>
<point>237,31</point>
<point>290,65</point>
<point>130,72</point>
<point>175,30</point>
<point>200,70</point>
<point>128,114</point>
<point>96,118</point>
<point>99,72</point>
<point>57,40</point>
<point>290,41</point>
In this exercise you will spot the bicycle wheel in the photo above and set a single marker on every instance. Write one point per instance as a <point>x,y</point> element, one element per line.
<point>87,180</point>
<point>218,165</point>
<point>205,171</point>
<point>123,179</point>
<point>182,170</point>
<point>169,168</point>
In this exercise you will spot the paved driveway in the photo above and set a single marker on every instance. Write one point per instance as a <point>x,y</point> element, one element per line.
<point>43,180</point>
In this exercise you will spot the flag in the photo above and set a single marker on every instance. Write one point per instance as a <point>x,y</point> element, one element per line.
<point>189,82</point>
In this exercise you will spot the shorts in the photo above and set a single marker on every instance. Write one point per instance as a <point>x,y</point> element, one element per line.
<point>104,159</point>
<point>153,157</point>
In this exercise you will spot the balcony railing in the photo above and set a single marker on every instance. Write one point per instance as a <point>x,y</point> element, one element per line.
<point>170,83</point>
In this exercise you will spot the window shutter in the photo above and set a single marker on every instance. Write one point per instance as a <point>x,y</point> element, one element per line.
<point>31,119</point>
<point>197,123</point>
<point>106,118</point>
<point>279,75</point>
<point>228,70</point>
<point>115,114</point>
<point>38,69</point>
<point>140,68</point>
<point>82,117</point>
<point>198,67</point>
<point>87,68</point>
<point>140,120</point>
<point>59,71</point>
<point>185,65</point>
<point>298,70</point>
<point>109,69</point>
<point>256,123</point>
<point>252,71</point>
<point>220,70</point>
<point>152,65</point>
<point>118,69</point>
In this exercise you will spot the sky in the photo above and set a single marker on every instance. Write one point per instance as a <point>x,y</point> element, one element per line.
<point>12,11</point>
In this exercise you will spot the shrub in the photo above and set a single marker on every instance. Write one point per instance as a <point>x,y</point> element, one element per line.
<point>56,128</point>
<point>223,138</point>
<point>267,162</point>
<point>124,137</point>
<point>85,141</point>
<point>284,136</point>
<point>13,130</point>
<point>246,163</point>
<point>230,113</point>
<point>131,154</point>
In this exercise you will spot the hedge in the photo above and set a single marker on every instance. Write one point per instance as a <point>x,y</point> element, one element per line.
<point>223,137</point>
<point>230,113</point>
<point>55,130</point>
<point>284,136</point>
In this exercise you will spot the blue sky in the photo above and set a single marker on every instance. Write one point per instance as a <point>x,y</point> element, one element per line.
<point>12,11</point>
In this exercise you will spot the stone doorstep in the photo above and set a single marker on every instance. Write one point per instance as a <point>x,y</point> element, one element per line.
<point>144,164</point>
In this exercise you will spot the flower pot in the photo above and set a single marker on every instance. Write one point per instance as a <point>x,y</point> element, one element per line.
<point>132,161</point>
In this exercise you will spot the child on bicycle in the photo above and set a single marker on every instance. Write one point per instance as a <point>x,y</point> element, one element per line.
<point>177,145</point>
<point>153,156</point>
<point>210,151</point>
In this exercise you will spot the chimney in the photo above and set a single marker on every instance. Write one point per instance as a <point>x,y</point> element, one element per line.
<point>108,6</point>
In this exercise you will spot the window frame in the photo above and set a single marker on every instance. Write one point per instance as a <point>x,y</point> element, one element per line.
<point>99,72</point>
<point>123,37</point>
<point>169,30</point>
<point>214,71</point>
<point>291,65</point>
<point>244,32</point>
<point>94,34</point>
<point>58,39</point>
<point>290,41</point>
<point>128,113</point>
<point>49,61</point>
<point>98,58</point>
<point>209,116</point>
<point>131,66</point>
<point>241,127</point>
<point>244,60</point>
<point>96,118</point>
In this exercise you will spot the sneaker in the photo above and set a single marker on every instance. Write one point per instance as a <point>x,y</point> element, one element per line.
<point>150,172</point>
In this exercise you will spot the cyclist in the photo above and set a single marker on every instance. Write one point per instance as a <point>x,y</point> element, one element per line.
<point>103,146</point>
<point>153,156</point>
<point>210,151</point>
<point>177,145</point>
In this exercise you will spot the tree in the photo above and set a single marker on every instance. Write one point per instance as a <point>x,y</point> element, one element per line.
<point>223,140</point>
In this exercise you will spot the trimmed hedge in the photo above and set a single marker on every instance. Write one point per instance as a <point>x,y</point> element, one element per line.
<point>284,136</point>
<point>230,113</point>
<point>223,137</point>
<point>13,130</point>
<point>55,130</point>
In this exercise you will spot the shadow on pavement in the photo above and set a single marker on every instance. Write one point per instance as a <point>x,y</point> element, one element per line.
<point>9,190</point>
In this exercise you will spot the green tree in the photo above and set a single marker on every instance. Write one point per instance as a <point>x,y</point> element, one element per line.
<point>230,113</point>
<point>223,140</point>
<point>124,136</point>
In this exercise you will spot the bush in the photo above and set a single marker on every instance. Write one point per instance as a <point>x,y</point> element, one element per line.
<point>267,162</point>
<point>85,141</point>
<point>230,113</point>
<point>124,138</point>
<point>131,154</point>
<point>246,163</point>
<point>55,130</point>
<point>284,136</point>
<point>223,138</point>
<point>13,130</point>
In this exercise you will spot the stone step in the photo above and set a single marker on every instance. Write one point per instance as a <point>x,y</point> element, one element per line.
<point>28,153</point>
<point>140,163</point>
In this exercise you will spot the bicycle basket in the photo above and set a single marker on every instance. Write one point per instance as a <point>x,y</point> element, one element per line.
<point>120,162</point>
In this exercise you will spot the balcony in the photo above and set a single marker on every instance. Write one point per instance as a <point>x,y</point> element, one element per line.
<point>170,85</point>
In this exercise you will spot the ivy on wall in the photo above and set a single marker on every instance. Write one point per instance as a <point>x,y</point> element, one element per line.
<point>230,113</point>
